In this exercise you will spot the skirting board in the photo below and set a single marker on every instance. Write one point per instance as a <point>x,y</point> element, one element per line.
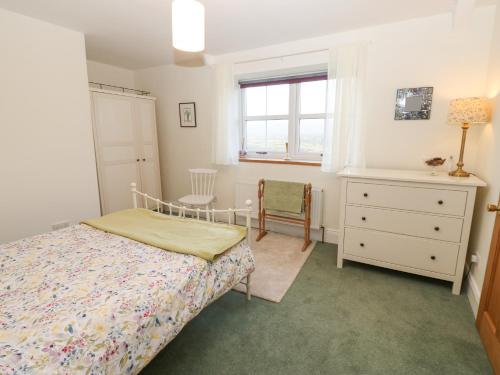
<point>473,294</point>
<point>332,235</point>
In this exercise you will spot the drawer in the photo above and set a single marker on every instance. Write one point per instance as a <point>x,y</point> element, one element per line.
<point>405,222</point>
<point>419,253</point>
<point>439,201</point>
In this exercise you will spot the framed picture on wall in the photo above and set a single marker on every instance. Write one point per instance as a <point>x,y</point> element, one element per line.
<point>187,115</point>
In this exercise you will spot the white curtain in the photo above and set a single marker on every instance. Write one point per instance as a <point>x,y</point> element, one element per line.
<point>226,119</point>
<point>344,131</point>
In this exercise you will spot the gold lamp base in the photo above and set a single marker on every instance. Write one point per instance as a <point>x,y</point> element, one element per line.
<point>459,172</point>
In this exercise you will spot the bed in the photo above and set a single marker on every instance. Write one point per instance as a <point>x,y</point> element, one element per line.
<point>80,300</point>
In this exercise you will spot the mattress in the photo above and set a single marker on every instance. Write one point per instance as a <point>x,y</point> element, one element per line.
<point>79,300</point>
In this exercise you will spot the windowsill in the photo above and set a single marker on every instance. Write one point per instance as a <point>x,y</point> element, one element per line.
<point>280,161</point>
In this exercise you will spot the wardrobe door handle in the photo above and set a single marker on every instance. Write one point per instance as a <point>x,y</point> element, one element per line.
<point>433,257</point>
<point>362,244</point>
<point>365,195</point>
<point>440,202</point>
<point>363,218</point>
<point>436,229</point>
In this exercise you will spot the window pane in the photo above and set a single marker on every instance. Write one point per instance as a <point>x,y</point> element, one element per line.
<point>311,135</point>
<point>277,135</point>
<point>313,97</point>
<point>278,99</point>
<point>256,101</point>
<point>256,135</point>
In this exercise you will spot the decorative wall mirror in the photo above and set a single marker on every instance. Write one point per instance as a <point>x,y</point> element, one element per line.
<point>414,103</point>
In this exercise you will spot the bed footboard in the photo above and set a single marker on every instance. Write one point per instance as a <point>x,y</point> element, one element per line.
<point>210,215</point>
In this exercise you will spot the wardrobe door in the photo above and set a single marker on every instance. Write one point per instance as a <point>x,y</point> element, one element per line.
<point>148,146</point>
<point>118,161</point>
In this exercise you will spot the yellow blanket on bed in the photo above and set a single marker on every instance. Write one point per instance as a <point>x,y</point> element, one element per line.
<point>187,236</point>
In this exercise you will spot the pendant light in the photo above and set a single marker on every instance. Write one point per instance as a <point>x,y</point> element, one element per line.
<point>188,25</point>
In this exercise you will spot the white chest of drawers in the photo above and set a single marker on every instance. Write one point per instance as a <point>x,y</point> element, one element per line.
<point>407,220</point>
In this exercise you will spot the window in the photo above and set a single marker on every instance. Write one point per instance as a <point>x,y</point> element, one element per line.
<point>286,110</point>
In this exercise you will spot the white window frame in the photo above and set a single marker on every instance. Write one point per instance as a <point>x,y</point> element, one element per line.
<point>293,117</point>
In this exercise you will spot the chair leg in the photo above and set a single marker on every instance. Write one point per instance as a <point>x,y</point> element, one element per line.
<point>208,214</point>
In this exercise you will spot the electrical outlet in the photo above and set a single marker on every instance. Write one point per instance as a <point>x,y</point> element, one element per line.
<point>60,225</point>
<point>474,258</point>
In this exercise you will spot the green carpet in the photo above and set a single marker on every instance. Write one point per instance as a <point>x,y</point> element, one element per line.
<point>358,320</point>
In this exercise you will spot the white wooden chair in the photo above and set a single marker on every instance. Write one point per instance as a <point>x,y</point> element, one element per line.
<point>202,189</point>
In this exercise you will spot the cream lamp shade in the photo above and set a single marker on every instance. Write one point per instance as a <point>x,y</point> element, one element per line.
<point>188,25</point>
<point>464,112</point>
<point>469,111</point>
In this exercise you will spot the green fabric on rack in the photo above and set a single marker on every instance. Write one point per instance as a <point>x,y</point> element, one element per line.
<point>284,196</point>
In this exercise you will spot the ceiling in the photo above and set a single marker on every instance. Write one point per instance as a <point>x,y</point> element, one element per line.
<point>136,33</point>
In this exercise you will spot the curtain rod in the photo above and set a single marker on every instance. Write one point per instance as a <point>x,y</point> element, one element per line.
<point>123,89</point>
<point>280,57</point>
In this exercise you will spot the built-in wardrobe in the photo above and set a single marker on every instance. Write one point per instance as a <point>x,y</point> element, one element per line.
<point>126,146</point>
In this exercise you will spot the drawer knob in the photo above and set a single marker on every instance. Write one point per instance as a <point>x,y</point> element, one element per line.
<point>440,202</point>
<point>436,229</point>
<point>433,257</point>
<point>362,244</point>
<point>138,159</point>
<point>363,218</point>
<point>365,195</point>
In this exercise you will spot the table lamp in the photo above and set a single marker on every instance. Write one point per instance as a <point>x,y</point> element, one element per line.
<point>465,112</point>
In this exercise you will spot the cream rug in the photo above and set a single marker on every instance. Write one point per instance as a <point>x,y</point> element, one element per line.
<point>278,259</point>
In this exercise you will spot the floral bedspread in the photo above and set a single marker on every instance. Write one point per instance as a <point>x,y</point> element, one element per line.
<point>84,301</point>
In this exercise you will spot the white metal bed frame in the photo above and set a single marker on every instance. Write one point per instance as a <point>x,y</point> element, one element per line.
<point>210,215</point>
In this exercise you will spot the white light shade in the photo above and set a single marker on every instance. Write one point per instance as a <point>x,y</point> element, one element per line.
<point>470,111</point>
<point>188,25</point>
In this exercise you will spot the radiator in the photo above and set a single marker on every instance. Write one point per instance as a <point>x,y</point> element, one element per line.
<point>246,190</point>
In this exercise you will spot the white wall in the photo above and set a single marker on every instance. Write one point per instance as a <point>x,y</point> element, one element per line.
<point>420,52</point>
<point>111,75</point>
<point>488,167</point>
<point>47,164</point>
<point>180,148</point>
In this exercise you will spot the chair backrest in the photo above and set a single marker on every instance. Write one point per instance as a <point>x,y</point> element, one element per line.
<point>202,181</point>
